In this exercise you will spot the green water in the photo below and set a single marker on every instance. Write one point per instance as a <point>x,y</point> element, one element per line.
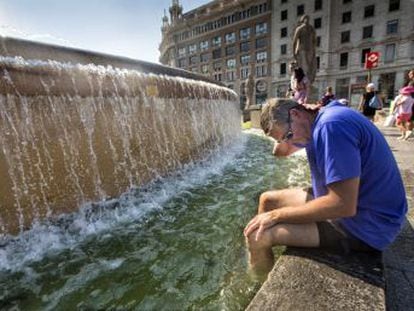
<point>187,253</point>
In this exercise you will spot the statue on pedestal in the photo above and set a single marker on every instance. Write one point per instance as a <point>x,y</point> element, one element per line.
<point>249,90</point>
<point>304,45</point>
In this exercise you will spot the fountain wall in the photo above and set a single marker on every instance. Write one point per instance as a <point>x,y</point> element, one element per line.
<point>79,127</point>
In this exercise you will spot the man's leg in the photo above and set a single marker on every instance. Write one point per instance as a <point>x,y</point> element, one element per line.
<point>261,257</point>
<point>273,199</point>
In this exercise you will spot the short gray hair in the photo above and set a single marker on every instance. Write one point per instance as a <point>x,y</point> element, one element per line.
<point>276,111</point>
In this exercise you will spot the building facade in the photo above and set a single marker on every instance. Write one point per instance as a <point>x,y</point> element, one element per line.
<point>226,40</point>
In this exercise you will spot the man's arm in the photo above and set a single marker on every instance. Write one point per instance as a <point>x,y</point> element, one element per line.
<point>340,201</point>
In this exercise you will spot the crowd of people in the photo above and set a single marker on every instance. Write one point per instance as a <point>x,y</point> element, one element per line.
<point>356,203</point>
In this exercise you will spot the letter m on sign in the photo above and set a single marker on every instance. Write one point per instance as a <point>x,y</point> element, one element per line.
<point>371,60</point>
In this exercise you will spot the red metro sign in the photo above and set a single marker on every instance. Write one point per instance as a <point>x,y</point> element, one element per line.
<point>371,60</point>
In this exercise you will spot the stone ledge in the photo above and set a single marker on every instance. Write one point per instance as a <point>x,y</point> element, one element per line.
<point>311,279</point>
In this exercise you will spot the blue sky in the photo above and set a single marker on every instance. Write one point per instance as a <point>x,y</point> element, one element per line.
<point>128,28</point>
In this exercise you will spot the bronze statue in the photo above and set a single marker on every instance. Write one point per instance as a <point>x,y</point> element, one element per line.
<point>304,44</point>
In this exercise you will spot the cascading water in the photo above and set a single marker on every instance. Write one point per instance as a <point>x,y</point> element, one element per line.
<point>84,133</point>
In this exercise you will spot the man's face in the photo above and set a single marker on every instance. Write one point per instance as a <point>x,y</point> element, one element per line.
<point>296,131</point>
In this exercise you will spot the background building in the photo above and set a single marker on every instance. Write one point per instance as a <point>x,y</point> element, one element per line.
<point>222,39</point>
<point>225,39</point>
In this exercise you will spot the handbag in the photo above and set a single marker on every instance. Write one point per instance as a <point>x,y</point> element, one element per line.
<point>389,120</point>
<point>375,103</point>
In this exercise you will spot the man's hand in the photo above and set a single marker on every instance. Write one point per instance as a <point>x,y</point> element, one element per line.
<point>261,222</point>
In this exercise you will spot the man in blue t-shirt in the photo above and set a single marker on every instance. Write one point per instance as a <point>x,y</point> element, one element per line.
<point>357,201</point>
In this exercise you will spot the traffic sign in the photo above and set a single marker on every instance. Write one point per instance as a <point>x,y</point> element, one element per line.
<point>371,60</point>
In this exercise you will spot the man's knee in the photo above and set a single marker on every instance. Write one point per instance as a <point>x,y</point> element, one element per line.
<point>268,201</point>
<point>263,242</point>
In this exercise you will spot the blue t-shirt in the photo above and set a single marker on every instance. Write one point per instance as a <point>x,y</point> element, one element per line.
<point>346,145</point>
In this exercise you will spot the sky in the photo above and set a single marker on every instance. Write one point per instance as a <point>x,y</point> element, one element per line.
<point>128,28</point>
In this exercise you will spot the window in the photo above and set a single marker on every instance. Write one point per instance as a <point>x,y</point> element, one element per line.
<point>346,17</point>
<point>245,59</point>
<point>204,69</point>
<point>193,60</point>
<point>261,28</point>
<point>300,10</point>
<point>231,63</point>
<point>342,88</point>
<point>363,55</point>
<point>204,57</point>
<point>283,32</point>
<point>261,57</point>
<point>318,5</point>
<point>230,37</point>
<point>367,32</point>
<point>284,15</point>
<point>283,1</point>
<point>181,52</point>
<point>392,27</point>
<point>282,70</point>
<point>245,46</point>
<point>369,11</point>
<point>346,1</point>
<point>203,45</point>
<point>283,49</point>
<point>244,73</point>
<point>230,75</point>
<point>317,23</point>
<point>216,41</point>
<point>318,63</point>
<point>261,43</point>
<point>216,53</point>
<point>218,77</point>
<point>394,5</point>
<point>345,36</point>
<point>245,33</point>
<point>261,71</point>
<point>318,41</point>
<point>182,63</point>
<point>389,53</point>
<point>192,48</point>
<point>217,66</point>
<point>230,50</point>
<point>343,61</point>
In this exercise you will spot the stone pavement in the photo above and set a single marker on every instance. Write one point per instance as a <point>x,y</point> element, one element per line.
<point>398,259</point>
<point>314,280</point>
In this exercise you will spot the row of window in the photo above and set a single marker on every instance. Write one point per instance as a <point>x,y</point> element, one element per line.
<point>217,54</point>
<point>368,31</point>
<point>393,5</point>
<point>388,57</point>
<point>231,75</point>
<point>229,38</point>
<point>231,63</point>
<point>223,21</point>
<point>261,57</point>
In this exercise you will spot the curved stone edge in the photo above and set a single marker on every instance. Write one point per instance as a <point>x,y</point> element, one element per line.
<point>44,51</point>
